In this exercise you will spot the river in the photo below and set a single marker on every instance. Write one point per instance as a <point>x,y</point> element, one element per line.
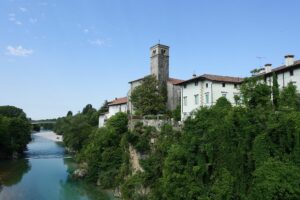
<point>44,174</point>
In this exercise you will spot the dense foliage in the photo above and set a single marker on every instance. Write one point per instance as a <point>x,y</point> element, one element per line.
<point>14,131</point>
<point>250,151</point>
<point>77,128</point>
<point>149,98</point>
<point>106,152</point>
<point>102,150</point>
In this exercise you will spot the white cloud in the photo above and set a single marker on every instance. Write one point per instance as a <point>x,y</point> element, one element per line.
<point>18,51</point>
<point>33,20</point>
<point>18,23</point>
<point>22,9</point>
<point>97,42</point>
<point>86,30</point>
<point>12,18</point>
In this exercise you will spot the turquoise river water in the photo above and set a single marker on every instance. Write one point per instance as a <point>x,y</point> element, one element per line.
<point>44,174</point>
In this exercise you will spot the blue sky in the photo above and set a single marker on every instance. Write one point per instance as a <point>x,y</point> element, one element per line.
<point>58,55</point>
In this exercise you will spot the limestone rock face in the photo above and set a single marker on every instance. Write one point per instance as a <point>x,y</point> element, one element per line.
<point>80,173</point>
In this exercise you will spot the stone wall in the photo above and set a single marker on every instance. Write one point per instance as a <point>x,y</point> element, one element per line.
<point>157,123</point>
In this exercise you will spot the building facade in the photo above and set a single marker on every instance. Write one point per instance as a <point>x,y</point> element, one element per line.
<point>205,90</point>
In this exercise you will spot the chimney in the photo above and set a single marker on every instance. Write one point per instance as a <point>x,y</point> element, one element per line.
<point>268,68</point>
<point>289,60</point>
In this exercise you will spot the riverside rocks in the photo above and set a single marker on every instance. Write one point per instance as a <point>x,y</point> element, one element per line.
<point>80,173</point>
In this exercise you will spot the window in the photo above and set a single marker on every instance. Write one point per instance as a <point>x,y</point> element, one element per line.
<point>223,84</point>
<point>291,72</point>
<point>235,85</point>
<point>224,94</point>
<point>185,101</point>
<point>207,98</point>
<point>196,83</point>
<point>196,99</point>
<point>206,85</point>
<point>184,85</point>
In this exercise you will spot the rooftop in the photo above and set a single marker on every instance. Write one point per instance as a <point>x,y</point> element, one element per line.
<point>216,78</point>
<point>118,101</point>
<point>284,67</point>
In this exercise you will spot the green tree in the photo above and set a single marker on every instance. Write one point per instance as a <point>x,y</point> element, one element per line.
<point>104,108</point>
<point>149,98</point>
<point>289,99</point>
<point>275,91</point>
<point>15,131</point>
<point>77,132</point>
<point>69,114</point>
<point>276,180</point>
<point>103,152</point>
<point>255,93</point>
<point>176,113</point>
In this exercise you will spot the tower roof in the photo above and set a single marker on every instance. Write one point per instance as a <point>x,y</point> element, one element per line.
<point>160,45</point>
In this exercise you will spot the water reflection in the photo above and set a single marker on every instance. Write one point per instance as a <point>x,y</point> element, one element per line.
<point>44,174</point>
<point>12,171</point>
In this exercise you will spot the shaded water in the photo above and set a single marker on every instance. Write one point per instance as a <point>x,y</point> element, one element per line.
<point>44,174</point>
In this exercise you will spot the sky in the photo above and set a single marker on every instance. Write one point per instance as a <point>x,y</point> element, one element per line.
<point>57,56</point>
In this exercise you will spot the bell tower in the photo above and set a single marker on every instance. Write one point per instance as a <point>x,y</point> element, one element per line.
<point>159,55</point>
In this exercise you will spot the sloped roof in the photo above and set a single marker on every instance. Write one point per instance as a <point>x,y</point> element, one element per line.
<point>175,81</point>
<point>217,78</point>
<point>284,67</point>
<point>118,101</point>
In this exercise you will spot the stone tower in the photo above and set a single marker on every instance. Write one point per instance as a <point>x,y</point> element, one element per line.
<point>160,62</point>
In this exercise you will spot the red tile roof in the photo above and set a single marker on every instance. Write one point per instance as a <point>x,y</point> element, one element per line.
<point>118,101</point>
<point>217,78</point>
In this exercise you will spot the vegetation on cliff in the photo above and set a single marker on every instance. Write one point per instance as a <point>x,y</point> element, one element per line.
<point>251,151</point>
<point>248,151</point>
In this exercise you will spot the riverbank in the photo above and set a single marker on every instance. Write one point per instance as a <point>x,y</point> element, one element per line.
<point>50,136</point>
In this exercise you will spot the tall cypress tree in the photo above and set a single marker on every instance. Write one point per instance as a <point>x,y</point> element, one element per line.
<point>275,91</point>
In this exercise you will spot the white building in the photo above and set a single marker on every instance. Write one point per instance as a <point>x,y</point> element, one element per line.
<point>289,72</point>
<point>115,106</point>
<point>205,90</point>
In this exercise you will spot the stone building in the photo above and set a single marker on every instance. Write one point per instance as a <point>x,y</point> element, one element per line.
<point>159,68</point>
